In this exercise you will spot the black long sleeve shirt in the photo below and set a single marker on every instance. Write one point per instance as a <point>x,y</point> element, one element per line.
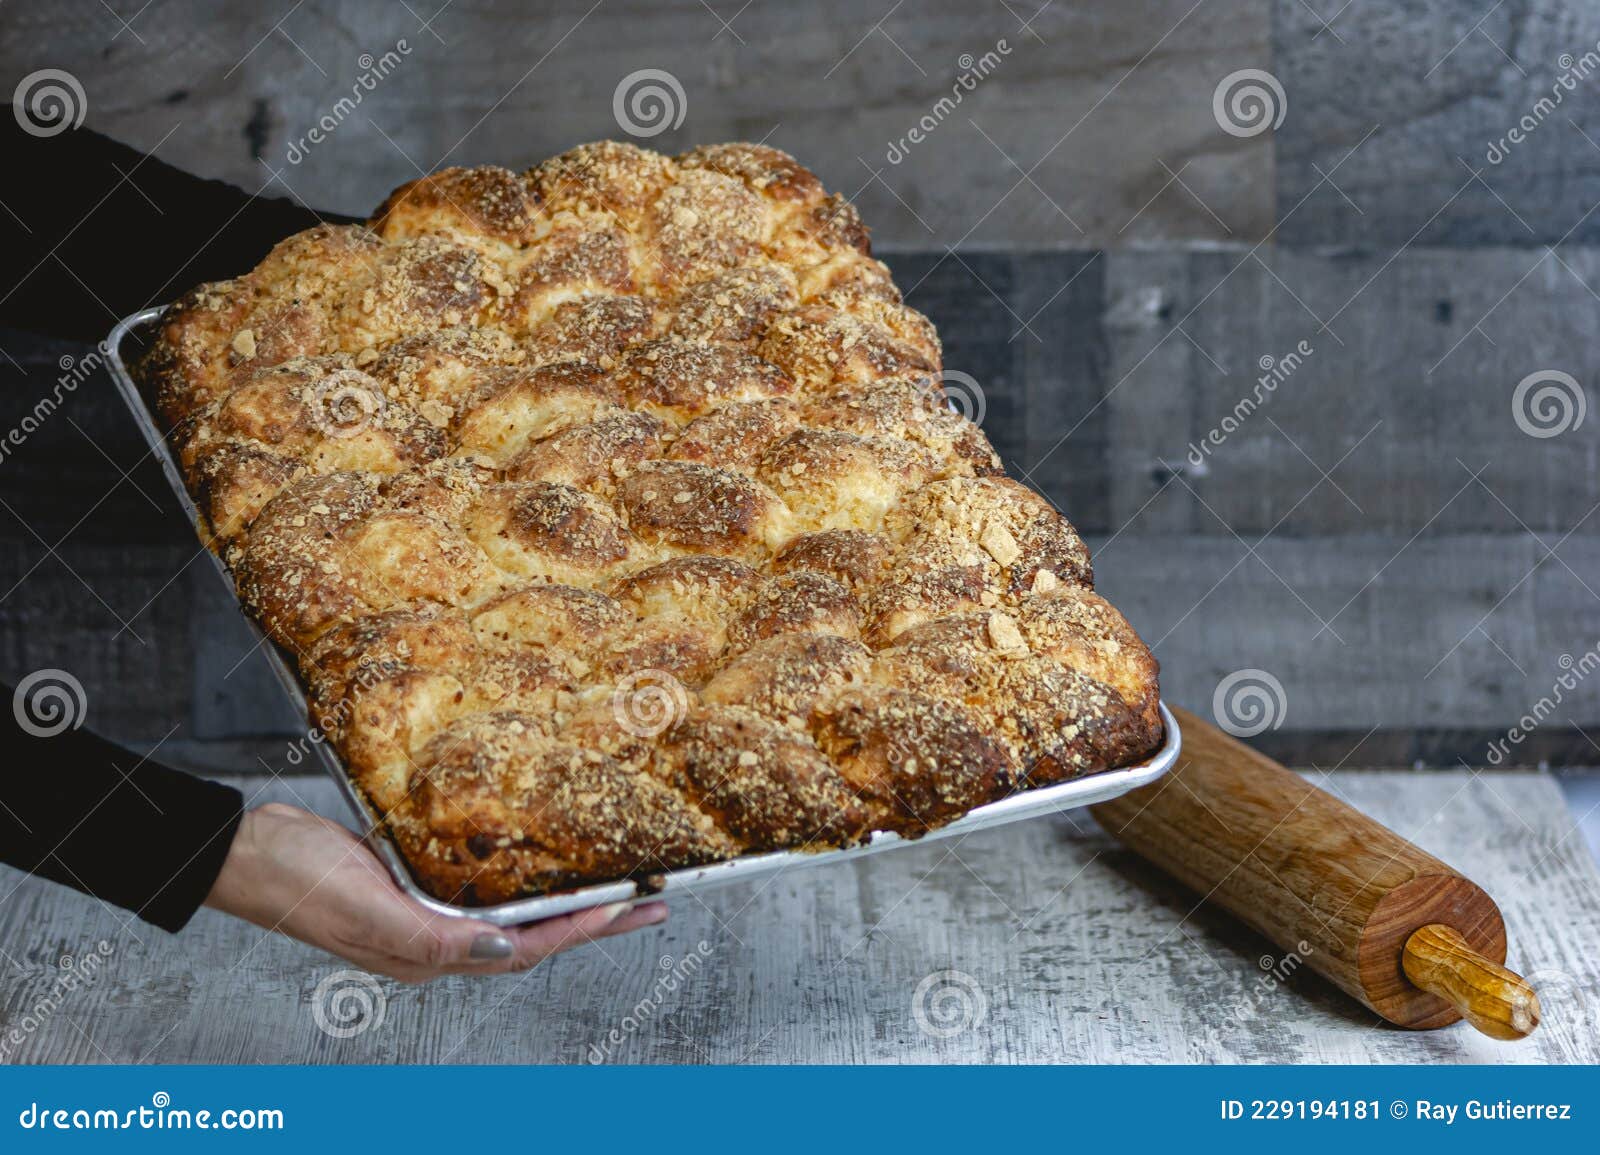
<point>82,811</point>
<point>90,231</point>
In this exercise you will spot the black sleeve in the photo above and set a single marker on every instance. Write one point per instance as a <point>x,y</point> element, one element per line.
<point>81,811</point>
<point>92,230</point>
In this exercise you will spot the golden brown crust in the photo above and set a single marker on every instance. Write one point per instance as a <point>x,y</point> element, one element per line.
<point>1046,705</point>
<point>607,175</point>
<point>766,171</point>
<point>511,407</point>
<point>537,529</point>
<point>233,483</point>
<point>435,371</point>
<point>767,786</point>
<point>411,286</point>
<point>825,349</point>
<point>592,456</point>
<point>916,591</point>
<point>684,507</point>
<point>707,589</point>
<point>855,557</point>
<point>317,413</point>
<point>188,362</point>
<point>994,523</point>
<point>737,434</point>
<point>616,519</point>
<point>836,480</point>
<point>735,307</point>
<point>681,380</point>
<point>370,649</point>
<point>578,257</point>
<point>290,565</point>
<point>1079,628</point>
<point>497,787</point>
<point>787,676</point>
<point>555,616</point>
<point>443,489</point>
<point>469,203</point>
<point>918,761</point>
<point>703,224</point>
<point>804,602</point>
<point>912,408</point>
<point>595,329</point>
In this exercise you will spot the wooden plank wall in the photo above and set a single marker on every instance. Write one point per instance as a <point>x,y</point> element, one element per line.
<point>1108,264</point>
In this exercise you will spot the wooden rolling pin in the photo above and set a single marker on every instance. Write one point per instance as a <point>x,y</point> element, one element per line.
<point>1396,928</point>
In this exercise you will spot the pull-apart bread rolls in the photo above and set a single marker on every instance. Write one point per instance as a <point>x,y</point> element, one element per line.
<point>616,520</point>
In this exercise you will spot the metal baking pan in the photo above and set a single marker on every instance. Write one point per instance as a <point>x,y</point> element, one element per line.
<point>1083,791</point>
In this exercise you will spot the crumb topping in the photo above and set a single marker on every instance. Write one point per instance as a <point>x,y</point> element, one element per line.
<point>618,521</point>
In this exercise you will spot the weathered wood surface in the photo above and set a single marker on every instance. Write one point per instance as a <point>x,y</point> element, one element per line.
<point>1443,82</point>
<point>1405,399</point>
<point>1107,106</point>
<point>1354,650</point>
<point>1079,951</point>
<point>1096,103</point>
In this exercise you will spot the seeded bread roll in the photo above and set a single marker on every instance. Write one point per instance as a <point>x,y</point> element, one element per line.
<point>768,786</point>
<point>617,520</point>
<point>737,435</point>
<point>309,415</point>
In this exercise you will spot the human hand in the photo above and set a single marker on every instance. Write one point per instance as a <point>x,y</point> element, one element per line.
<point>289,870</point>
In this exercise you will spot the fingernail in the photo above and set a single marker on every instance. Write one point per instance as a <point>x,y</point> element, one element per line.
<point>654,912</point>
<point>615,911</point>
<point>491,946</point>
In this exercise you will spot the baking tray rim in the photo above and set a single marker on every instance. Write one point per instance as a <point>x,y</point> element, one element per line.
<point>1085,791</point>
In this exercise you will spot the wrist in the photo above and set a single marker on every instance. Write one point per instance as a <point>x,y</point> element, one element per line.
<point>240,885</point>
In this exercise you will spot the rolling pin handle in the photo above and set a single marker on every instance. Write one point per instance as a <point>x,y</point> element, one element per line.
<point>1497,1001</point>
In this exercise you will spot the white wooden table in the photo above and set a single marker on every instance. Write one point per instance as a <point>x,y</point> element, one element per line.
<point>1059,946</point>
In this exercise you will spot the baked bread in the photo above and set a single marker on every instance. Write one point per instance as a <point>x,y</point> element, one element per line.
<point>614,516</point>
